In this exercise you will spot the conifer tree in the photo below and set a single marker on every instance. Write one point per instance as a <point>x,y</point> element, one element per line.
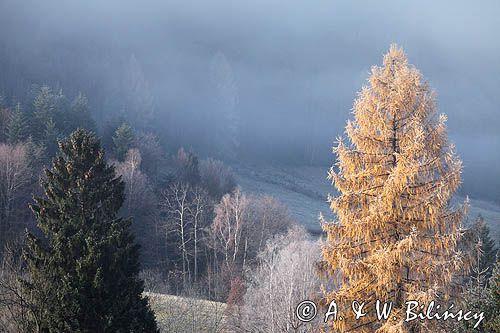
<point>396,235</point>
<point>75,115</point>
<point>493,306</point>
<point>486,299</point>
<point>50,138</point>
<point>122,141</point>
<point>84,272</point>
<point>17,128</point>
<point>486,251</point>
<point>44,109</point>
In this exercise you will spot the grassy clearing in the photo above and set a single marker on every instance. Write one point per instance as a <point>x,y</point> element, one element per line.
<point>184,314</point>
<point>305,189</point>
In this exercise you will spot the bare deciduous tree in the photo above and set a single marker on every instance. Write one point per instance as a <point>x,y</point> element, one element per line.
<point>241,227</point>
<point>187,167</point>
<point>186,211</point>
<point>152,153</point>
<point>140,204</point>
<point>285,276</point>
<point>175,204</point>
<point>137,189</point>
<point>231,218</point>
<point>268,217</point>
<point>198,210</point>
<point>17,312</point>
<point>217,177</point>
<point>16,175</point>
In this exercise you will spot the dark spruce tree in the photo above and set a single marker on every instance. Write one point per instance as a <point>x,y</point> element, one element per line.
<point>484,299</point>
<point>84,271</point>
<point>487,246</point>
<point>122,140</point>
<point>17,128</point>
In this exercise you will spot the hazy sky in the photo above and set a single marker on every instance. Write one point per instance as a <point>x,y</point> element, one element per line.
<point>297,65</point>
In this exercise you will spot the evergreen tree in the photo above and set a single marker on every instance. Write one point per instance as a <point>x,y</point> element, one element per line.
<point>53,116</point>
<point>62,112</point>
<point>50,137</point>
<point>78,115</point>
<point>108,131</point>
<point>493,306</point>
<point>84,272</point>
<point>396,236</point>
<point>37,155</point>
<point>123,140</point>
<point>17,128</point>
<point>484,299</point>
<point>44,109</point>
<point>485,253</point>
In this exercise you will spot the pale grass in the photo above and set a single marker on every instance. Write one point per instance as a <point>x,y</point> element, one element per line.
<point>185,314</point>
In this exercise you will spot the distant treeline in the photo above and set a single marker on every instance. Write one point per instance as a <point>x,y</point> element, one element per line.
<point>195,226</point>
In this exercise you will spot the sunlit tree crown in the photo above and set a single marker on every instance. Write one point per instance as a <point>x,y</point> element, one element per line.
<point>396,235</point>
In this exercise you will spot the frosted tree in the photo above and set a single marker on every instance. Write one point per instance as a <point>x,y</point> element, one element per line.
<point>16,177</point>
<point>140,203</point>
<point>229,228</point>
<point>217,177</point>
<point>396,235</point>
<point>285,276</point>
<point>123,139</point>
<point>44,109</point>
<point>137,192</point>
<point>18,127</point>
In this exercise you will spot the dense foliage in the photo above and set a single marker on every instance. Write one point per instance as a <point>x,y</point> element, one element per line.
<point>397,236</point>
<point>84,271</point>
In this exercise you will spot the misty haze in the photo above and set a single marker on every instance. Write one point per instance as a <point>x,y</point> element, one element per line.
<point>220,117</point>
<point>292,71</point>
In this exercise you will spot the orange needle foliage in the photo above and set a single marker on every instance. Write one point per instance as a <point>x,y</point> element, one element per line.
<point>396,236</point>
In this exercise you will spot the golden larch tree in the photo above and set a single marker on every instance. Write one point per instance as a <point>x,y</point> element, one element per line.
<point>396,237</point>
